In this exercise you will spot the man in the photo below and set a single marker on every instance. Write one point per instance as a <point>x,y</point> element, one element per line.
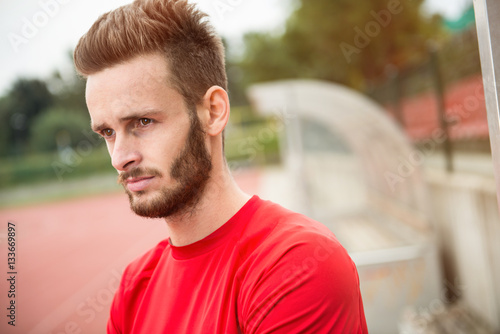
<point>156,92</point>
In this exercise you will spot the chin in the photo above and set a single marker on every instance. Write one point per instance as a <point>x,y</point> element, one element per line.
<point>154,204</point>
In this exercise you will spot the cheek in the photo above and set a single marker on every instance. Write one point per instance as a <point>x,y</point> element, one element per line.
<point>162,152</point>
<point>163,145</point>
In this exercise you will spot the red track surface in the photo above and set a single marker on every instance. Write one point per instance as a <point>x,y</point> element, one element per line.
<point>69,258</point>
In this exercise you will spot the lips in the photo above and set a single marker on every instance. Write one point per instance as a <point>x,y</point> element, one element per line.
<point>138,183</point>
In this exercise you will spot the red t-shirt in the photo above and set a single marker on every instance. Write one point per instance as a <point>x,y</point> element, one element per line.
<point>266,270</point>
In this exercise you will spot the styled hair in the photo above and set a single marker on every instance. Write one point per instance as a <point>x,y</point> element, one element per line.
<point>174,28</point>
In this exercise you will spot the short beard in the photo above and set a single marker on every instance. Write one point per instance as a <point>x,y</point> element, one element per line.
<point>191,169</point>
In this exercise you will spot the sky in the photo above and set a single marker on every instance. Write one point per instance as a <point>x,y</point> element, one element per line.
<point>37,35</point>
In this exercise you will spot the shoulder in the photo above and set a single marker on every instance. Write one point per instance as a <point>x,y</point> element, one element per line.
<point>134,281</point>
<point>280,240</point>
<point>282,230</point>
<point>142,267</point>
<point>298,267</point>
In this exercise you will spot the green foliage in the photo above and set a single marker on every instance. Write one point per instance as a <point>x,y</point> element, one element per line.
<point>23,103</point>
<point>268,57</point>
<point>4,127</point>
<point>252,140</point>
<point>244,115</point>
<point>459,56</point>
<point>342,41</point>
<point>58,128</point>
<point>69,91</point>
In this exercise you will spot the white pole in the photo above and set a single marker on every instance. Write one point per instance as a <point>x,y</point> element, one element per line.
<point>488,33</point>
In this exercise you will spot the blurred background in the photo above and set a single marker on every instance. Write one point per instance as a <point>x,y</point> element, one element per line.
<point>367,115</point>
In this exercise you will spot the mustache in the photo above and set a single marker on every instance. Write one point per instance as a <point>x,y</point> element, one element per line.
<point>138,172</point>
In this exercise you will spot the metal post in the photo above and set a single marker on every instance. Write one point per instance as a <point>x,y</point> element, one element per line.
<point>395,81</point>
<point>443,121</point>
<point>398,82</point>
<point>488,33</point>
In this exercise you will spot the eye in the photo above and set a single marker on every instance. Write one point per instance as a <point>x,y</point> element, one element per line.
<point>145,121</point>
<point>108,132</point>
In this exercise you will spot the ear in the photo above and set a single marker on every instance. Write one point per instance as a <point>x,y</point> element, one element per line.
<point>215,114</point>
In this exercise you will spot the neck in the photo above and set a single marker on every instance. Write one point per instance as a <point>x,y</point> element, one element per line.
<point>221,199</point>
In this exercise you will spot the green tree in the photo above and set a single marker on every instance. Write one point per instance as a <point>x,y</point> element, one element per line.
<point>69,92</point>
<point>68,88</point>
<point>58,128</point>
<point>350,42</point>
<point>28,99</point>
<point>23,103</point>
<point>4,127</point>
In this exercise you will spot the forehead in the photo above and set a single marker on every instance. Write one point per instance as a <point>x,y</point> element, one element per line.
<point>141,83</point>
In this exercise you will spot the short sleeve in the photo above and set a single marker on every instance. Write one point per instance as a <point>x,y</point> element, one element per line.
<point>113,326</point>
<point>311,286</point>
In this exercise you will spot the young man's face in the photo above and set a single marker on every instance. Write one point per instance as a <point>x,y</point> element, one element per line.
<point>156,144</point>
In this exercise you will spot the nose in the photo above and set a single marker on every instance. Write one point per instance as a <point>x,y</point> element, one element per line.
<point>124,154</point>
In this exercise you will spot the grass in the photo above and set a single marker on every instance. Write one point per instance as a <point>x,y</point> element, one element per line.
<point>46,177</point>
<point>46,192</point>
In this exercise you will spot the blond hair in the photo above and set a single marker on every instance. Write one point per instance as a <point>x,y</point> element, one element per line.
<point>174,28</point>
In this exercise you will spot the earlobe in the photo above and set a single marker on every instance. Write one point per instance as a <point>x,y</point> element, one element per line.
<point>217,104</point>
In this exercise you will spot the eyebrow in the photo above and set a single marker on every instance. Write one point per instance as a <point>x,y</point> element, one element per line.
<point>136,115</point>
